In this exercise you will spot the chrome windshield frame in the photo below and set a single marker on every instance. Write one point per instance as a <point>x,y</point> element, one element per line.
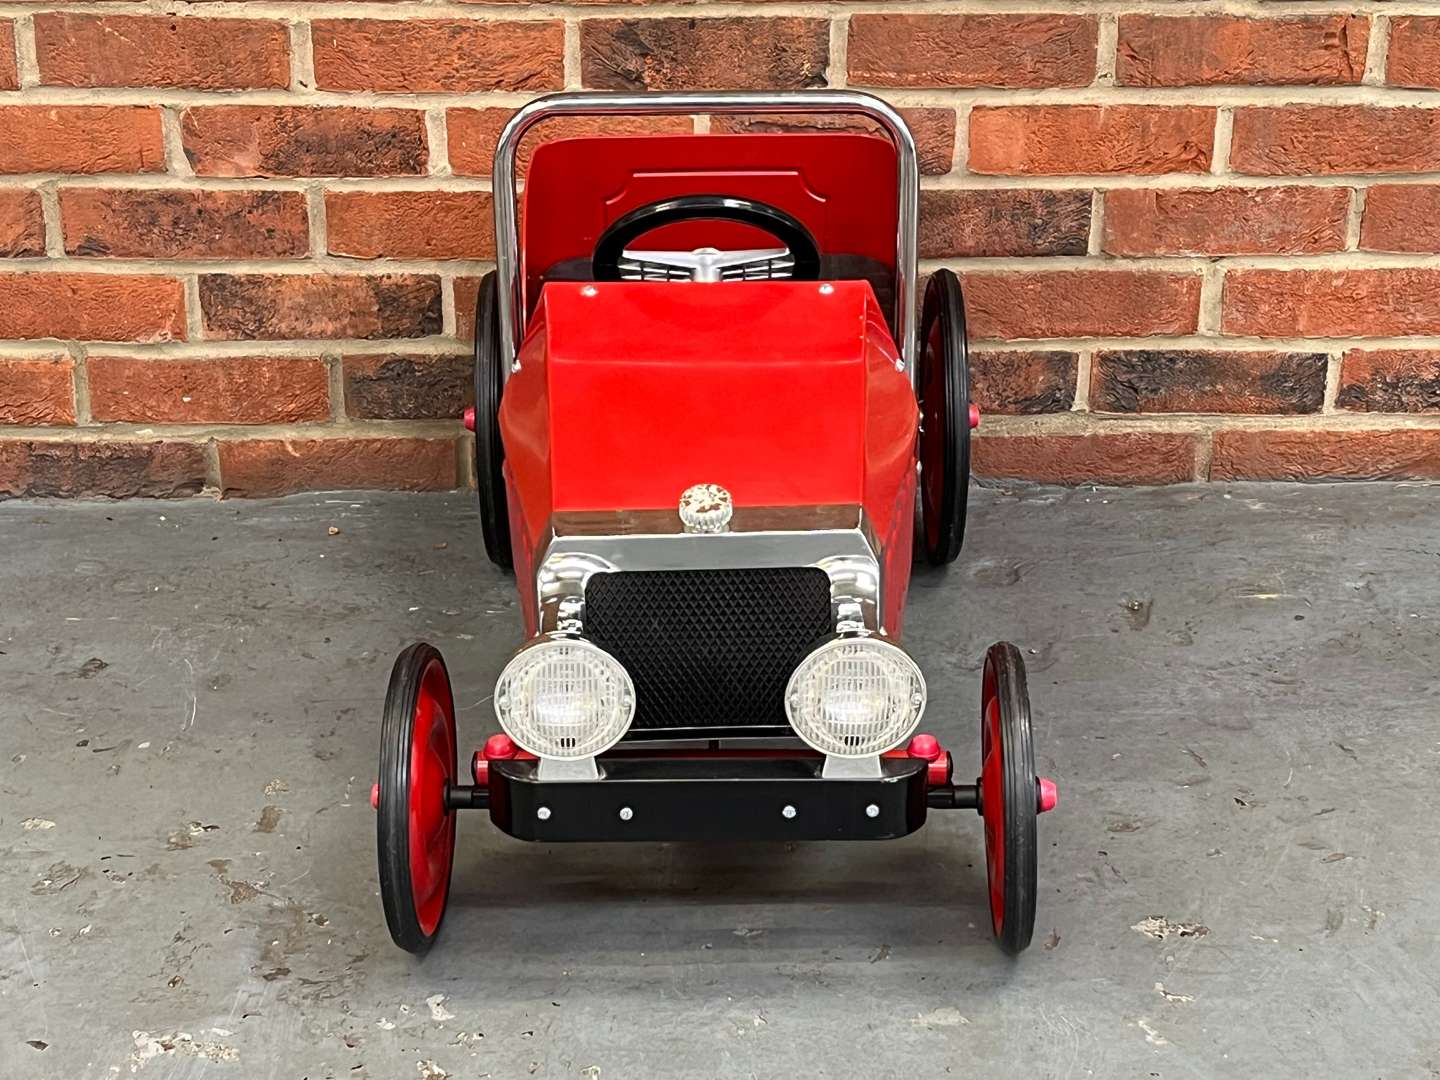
<point>590,103</point>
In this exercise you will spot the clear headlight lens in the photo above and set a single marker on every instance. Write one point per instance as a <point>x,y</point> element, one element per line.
<point>853,697</point>
<point>562,697</point>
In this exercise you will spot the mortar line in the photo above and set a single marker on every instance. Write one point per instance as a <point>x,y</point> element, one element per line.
<point>1355,218</point>
<point>194,319</point>
<point>492,10</point>
<point>437,135</point>
<point>1095,245</point>
<point>335,377</point>
<point>302,56</point>
<point>449,321</point>
<point>316,217</point>
<point>1334,363</point>
<point>572,62</point>
<point>838,68</point>
<point>27,59</point>
<point>1224,136</point>
<point>1084,367</point>
<point>49,193</point>
<point>1107,48</point>
<point>1377,51</point>
<point>172,140</point>
<point>80,383</point>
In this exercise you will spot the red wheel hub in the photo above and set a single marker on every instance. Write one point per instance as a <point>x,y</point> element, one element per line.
<point>432,768</point>
<point>992,796</point>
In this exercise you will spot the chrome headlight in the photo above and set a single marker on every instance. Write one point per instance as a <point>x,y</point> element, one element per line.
<point>855,696</point>
<point>563,697</point>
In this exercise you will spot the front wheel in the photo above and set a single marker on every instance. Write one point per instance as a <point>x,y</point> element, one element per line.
<point>1010,797</point>
<point>415,829</point>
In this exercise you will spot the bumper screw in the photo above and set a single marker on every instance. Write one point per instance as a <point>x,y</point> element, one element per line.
<point>872,811</point>
<point>626,813</point>
<point>788,812</point>
<point>543,813</point>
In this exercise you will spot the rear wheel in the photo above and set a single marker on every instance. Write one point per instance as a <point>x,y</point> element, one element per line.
<point>943,382</point>
<point>415,829</point>
<point>489,449</point>
<point>1009,797</point>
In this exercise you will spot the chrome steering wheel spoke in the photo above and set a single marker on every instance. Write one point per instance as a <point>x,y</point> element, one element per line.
<point>706,264</point>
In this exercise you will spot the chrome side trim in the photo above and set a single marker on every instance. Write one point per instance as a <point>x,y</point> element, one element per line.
<point>851,768</point>
<point>589,103</point>
<point>835,539</point>
<point>585,768</point>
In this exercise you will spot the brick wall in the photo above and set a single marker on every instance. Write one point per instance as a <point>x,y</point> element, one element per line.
<point>239,241</point>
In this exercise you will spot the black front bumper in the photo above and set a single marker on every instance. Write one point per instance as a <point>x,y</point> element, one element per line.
<point>708,798</point>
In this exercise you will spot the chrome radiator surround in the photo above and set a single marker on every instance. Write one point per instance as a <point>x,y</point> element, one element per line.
<point>836,539</point>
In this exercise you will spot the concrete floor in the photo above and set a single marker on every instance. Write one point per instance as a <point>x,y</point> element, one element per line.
<point>1235,687</point>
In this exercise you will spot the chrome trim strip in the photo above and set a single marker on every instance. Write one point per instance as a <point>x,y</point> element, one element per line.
<point>588,103</point>
<point>836,539</point>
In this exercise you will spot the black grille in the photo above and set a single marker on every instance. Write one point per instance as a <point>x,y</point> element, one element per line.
<point>709,648</point>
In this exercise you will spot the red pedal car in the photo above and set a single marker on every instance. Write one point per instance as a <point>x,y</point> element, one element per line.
<point>713,429</point>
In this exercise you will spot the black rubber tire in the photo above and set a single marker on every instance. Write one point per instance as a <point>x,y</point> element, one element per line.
<point>489,449</point>
<point>943,384</point>
<point>393,810</point>
<point>1013,919</point>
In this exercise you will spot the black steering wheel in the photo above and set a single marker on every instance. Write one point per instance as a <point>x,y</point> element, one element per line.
<point>797,257</point>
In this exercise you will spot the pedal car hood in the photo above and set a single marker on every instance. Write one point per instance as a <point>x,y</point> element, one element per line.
<point>784,393</point>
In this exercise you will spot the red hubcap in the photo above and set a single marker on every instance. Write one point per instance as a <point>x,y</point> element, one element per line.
<point>432,767</point>
<point>992,796</point>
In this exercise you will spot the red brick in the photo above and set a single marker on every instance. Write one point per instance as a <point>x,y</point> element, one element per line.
<point>1414,58</point>
<point>1226,221</point>
<point>410,224</point>
<point>276,466</point>
<point>1022,383</point>
<point>933,129</point>
<point>1123,458</point>
<point>1081,303</point>
<point>278,306</point>
<point>996,222</point>
<point>413,387</point>
<point>91,307</point>
<point>1052,140</point>
<point>1326,139</point>
<point>438,55</point>
<point>80,139</point>
<point>677,54</point>
<point>1326,455</point>
<point>9,76</point>
<point>36,392</point>
<point>22,228</point>
<point>1332,303</point>
<point>972,50</point>
<point>1390,380</point>
<point>466,291</point>
<point>233,390</point>
<point>1199,50</point>
<point>115,470</point>
<point>164,223</point>
<point>297,140</point>
<point>1207,381</point>
<point>473,134</point>
<point>161,50</point>
<point>1401,217</point>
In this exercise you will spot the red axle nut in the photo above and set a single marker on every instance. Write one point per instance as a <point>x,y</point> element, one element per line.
<point>374,796</point>
<point>974,416</point>
<point>1049,794</point>
<point>498,747</point>
<point>469,417</point>
<point>925,747</point>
